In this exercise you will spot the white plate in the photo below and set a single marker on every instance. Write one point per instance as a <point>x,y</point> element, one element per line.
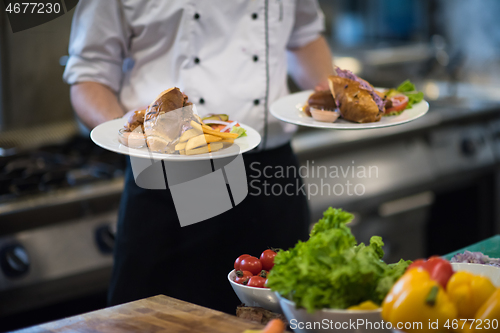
<point>106,136</point>
<point>288,109</point>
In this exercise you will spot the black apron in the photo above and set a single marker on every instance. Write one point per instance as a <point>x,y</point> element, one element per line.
<point>154,255</point>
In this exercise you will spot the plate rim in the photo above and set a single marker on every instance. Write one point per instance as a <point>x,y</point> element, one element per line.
<point>325,125</point>
<point>169,157</point>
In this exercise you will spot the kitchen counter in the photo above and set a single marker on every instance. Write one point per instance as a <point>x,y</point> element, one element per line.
<point>155,314</point>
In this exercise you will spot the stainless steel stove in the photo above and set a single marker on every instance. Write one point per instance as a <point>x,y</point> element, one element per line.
<point>58,211</point>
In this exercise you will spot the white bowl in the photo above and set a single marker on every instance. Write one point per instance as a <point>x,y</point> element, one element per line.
<point>491,272</point>
<point>330,320</point>
<point>252,296</point>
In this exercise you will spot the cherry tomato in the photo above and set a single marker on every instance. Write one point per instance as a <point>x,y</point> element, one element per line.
<point>256,281</point>
<point>242,276</point>
<point>238,261</point>
<point>263,273</point>
<point>267,259</point>
<point>251,264</point>
<point>399,103</point>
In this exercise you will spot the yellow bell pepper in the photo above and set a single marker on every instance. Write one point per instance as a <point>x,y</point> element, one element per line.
<point>489,311</point>
<point>366,305</point>
<point>415,298</point>
<point>469,292</point>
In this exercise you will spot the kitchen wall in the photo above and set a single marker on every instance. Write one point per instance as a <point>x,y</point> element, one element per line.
<point>32,87</point>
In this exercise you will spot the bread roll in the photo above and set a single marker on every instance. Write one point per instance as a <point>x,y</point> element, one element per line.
<point>322,100</point>
<point>135,120</point>
<point>166,119</point>
<point>169,100</point>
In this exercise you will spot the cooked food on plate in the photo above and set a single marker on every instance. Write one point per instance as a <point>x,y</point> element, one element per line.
<point>358,101</point>
<point>322,100</point>
<point>169,125</point>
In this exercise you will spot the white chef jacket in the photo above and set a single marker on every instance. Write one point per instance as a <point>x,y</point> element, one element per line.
<point>228,56</point>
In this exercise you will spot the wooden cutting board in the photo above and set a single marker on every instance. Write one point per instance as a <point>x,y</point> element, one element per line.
<point>155,314</point>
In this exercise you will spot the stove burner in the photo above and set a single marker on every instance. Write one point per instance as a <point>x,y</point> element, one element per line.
<point>74,163</point>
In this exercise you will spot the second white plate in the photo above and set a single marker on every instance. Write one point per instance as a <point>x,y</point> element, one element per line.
<point>288,109</point>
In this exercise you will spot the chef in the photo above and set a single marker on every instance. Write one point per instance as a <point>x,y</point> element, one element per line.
<point>228,57</point>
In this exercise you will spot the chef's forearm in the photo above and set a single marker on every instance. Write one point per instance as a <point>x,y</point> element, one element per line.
<point>95,103</point>
<point>311,64</point>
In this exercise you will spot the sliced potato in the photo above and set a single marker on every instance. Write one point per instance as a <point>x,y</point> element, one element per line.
<point>222,135</point>
<point>181,146</point>
<point>229,140</point>
<point>207,127</point>
<point>201,140</point>
<point>211,147</point>
<point>215,146</point>
<point>198,118</point>
<point>196,151</point>
<point>196,126</point>
<point>190,133</point>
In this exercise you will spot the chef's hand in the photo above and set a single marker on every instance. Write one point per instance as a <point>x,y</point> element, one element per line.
<point>95,103</point>
<point>310,64</point>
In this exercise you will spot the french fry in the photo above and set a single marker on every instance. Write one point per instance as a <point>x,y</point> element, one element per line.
<point>227,140</point>
<point>196,126</point>
<point>222,135</point>
<point>207,127</point>
<point>180,146</point>
<point>211,147</point>
<point>201,140</point>
<point>182,152</point>
<point>190,133</point>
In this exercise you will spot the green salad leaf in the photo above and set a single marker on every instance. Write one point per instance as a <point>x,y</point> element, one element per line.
<point>406,86</point>
<point>239,130</point>
<point>331,270</point>
<point>414,97</point>
<point>411,92</point>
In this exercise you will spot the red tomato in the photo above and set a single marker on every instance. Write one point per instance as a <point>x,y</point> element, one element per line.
<point>267,259</point>
<point>238,261</point>
<point>263,273</point>
<point>251,264</point>
<point>399,103</point>
<point>256,281</point>
<point>242,276</point>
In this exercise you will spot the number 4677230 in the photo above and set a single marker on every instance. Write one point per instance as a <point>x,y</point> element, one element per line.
<point>33,8</point>
<point>473,323</point>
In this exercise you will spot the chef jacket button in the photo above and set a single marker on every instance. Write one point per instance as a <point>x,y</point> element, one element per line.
<point>202,101</point>
<point>256,101</point>
<point>196,60</point>
<point>255,58</point>
<point>255,16</point>
<point>196,16</point>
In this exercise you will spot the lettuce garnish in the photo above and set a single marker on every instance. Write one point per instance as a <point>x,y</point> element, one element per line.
<point>331,270</point>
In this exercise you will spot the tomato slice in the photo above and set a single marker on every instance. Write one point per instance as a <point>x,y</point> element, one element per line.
<point>399,103</point>
<point>217,127</point>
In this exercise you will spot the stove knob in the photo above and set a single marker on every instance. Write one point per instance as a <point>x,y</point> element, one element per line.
<point>468,147</point>
<point>14,260</point>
